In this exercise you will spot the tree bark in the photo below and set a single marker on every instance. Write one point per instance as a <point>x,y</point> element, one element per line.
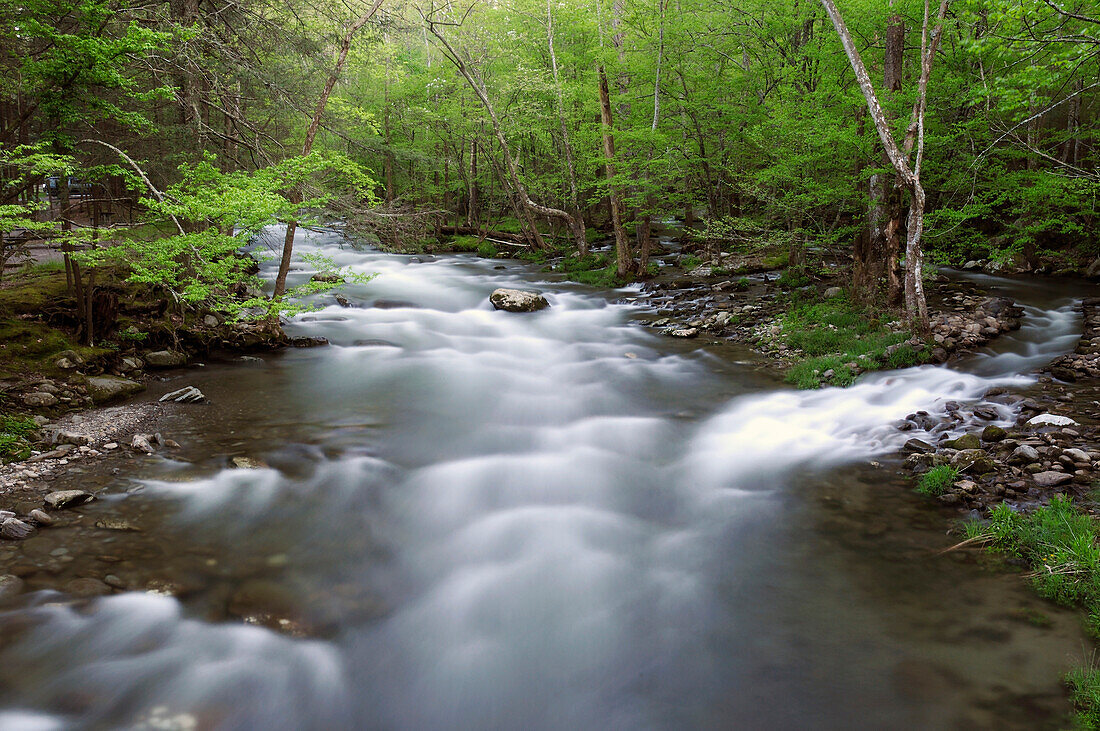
<point>624,257</point>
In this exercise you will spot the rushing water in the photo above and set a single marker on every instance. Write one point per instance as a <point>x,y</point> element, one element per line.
<point>553,520</point>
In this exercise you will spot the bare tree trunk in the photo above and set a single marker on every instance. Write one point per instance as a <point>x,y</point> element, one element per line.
<point>528,206</point>
<point>472,205</point>
<point>311,133</point>
<point>574,204</point>
<point>624,257</point>
<point>916,307</point>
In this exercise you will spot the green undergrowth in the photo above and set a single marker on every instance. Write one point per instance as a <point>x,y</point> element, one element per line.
<point>476,244</point>
<point>597,270</point>
<point>834,333</point>
<point>15,433</point>
<point>1059,544</point>
<point>935,481</point>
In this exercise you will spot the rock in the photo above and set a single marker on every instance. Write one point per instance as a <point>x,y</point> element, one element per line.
<point>966,441</point>
<point>1094,269</point>
<point>919,446</point>
<point>40,399</point>
<point>71,355</point>
<point>70,437</point>
<point>686,332</point>
<point>131,363</point>
<point>61,451</point>
<point>342,300</point>
<point>986,412</point>
<point>68,499</point>
<point>517,300</point>
<point>185,395</point>
<point>10,587</point>
<point>833,292</point>
<point>327,278</point>
<point>41,517</point>
<point>87,588</point>
<point>1063,374</point>
<point>1052,479</point>
<point>1024,454</point>
<point>115,524</point>
<point>108,388</point>
<point>65,364</point>
<point>143,443</point>
<point>974,461</point>
<point>247,463</point>
<point>210,321</point>
<point>165,359</point>
<point>15,530</point>
<point>1050,420</point>
<point>993,434</point>
<point>1077,455</point>
<point>307,342</point>
<point>40,420</point>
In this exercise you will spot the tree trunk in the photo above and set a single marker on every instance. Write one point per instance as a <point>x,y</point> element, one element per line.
<point>624,257</point>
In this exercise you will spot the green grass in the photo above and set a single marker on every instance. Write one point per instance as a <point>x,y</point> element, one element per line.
<point>742,283</point>
<point>793,279</point>
<point>14,434</point>
<point>690,262</point>
<point>1084,692</point>
<point>935,481</point>
<point>835,332</point>
<point>597,270</point>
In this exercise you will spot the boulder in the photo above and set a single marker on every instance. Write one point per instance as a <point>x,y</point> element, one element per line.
<point>131,363</point>
<point>108,388</point>
<point>1052,478</point>
<point>1077,455</point>
<point>15,530</point>
<point>143,443</point>
<point>966,441</point>
<point>919,446</point>
<point>68,499</point>
<point>1051,420</point>
<point>40,399</point>
<point>185,395</point>
<point>517,300</point>
<point>974,461</point>
<point>993,434</point>
<point>165,359</point>
<point>684,332</point>
<point>833,292</point>
<point>1094,269</point>
<point>1024,454</point>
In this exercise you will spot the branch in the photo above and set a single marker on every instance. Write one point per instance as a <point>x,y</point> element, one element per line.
<point>144,177</point>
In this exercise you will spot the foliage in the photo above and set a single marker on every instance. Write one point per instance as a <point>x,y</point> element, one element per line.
<point>15,432</point>
<point>935,481</point>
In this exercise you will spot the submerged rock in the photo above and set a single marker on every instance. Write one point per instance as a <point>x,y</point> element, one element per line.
<point>185,395</point>
<point>966,441</point>
<point>517,300</point>
<point>15,530</point>
<point>68,498</point>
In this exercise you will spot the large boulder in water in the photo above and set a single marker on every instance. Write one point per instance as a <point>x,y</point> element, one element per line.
<point>518,300</point>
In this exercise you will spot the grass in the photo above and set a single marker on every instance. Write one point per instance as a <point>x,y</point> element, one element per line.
<point>690,262</point>
<point>835,332</point>
<point>14,434</point>
<point>1059,543</point>
<point>482,247</point>
<point>935,481</point>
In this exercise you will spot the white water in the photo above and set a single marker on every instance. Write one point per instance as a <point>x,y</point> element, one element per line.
<point>567,543</point>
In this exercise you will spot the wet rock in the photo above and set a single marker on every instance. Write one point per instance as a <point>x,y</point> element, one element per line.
<point>974,461</point>
<point>63,499</point>
<point>11,586</point>
<point>70,437</point>
<point>60,451</point>
<point>919,446</point>
<point>986,412</point>
<point>1024,454</point>
<point>517,300</point>
<point>87,588</point>
<point>1052,478</point>
<point>40,399</point>
<point>687,332</point>
<point>65,364</point>
<point>41,517</point>
<point>165,359</point>
<point>308,342</point>
<point>143,443</point>
<point>1051,420</point>
<point>185,395</point>
<point>116,524</point>
<point>833,292</point>
<point>15,530</point>
<point>1077,455</point>
<point>966,441</point>
<point>993,433</point>
<point>327,278</point>
<point>131,363</point>
<point>342,300</point>
<point>108,388</point>
<point>247,463</point>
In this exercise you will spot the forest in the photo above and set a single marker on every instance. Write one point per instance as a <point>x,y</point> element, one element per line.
<point>578,364</point>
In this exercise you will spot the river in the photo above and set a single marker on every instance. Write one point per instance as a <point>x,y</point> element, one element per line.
<point>558,520</point>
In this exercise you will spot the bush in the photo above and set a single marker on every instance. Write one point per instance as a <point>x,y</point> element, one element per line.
<point>935,481</point>
<point>15,432</point>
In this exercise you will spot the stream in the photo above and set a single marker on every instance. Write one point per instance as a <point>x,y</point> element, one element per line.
<point>558,520</point>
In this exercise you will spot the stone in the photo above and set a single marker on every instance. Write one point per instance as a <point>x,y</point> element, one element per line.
<point>1024,454</point>
<point>61,451</point>
<point>918,446</point>
<point>143,443</point>
<point>165,359</point>
<point>1077,455</point>
<point>68,499</point>
<point>41,517</point>
<point>247,463</point>
<point>1052,479</point>
<point>185,395</point>
<point>342,300</point>
<point>210,321</point>
<point>87,588</point>
<point>109,388</point>
<point>71,355</point>
<point>1093,270</point>
<point>65,364</point>
<point>131,363</point>
<point>1051,420</point>
<point>974,461</point>
<point>833,292</point>
<point>993,433</point>
<point>966,441</point>
<point>10,586</point>
<point>986,412</point>
<point>517,300</point>
<point>116,524</point>
<point>39,399</point>
<point>69,437</point>
<point>327,278</point>
<point>686,332</point>
<point>15,530</point>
